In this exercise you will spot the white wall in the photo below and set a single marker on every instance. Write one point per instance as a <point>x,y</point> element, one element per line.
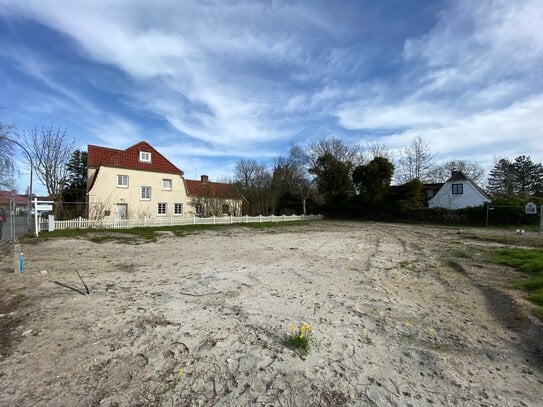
<point>444,198</point>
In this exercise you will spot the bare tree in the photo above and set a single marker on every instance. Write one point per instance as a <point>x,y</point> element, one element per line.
<point>377,148</point>
<point>415,161</point>
<point>442,172</point>
<point>337,149</point>
<point>51,150</point>
<point>7,166</point>
<point>253,180</point>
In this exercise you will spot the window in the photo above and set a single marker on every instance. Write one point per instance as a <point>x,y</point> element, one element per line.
<point>225,209</point>
<point>457,189</point>
<point>145,193</point>
<point>145,157</point>
<point>167,184</point>
<point>161,209</point>
<point>122,181</point>
<point>178,209</point>
<point>199,209</point>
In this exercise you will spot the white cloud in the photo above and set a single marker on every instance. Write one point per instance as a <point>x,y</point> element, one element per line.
<point>471,86</point>
<point>506,132</point>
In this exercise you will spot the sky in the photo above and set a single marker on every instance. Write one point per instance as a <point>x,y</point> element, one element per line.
<point>209,82</point>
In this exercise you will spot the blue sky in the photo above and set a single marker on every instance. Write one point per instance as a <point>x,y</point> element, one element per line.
<point>209,82</point>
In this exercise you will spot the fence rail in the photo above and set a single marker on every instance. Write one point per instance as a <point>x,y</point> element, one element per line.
<point>82,223</point>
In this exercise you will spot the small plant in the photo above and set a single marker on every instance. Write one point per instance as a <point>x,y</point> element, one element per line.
<point>173,384</point>
<point>365,335</point>
<point>300,338</point>
<point>435,344</point>
<point>17,298</point>
<point>408,331</point>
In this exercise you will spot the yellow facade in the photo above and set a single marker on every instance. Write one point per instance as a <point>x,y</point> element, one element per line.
<point>111,197</point>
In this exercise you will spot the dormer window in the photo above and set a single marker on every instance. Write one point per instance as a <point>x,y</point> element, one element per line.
<point>145,157</point>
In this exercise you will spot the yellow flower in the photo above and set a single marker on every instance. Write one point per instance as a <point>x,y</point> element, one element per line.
<point>180,373</point>
<point>365,331</point>
<point>432,331</point>
<point>301,335</point>
<point>407,323</point>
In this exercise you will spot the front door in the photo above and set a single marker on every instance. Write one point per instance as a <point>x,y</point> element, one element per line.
<point>122,212</point>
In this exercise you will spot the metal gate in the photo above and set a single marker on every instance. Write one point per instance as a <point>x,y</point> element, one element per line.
<point>17,223</point>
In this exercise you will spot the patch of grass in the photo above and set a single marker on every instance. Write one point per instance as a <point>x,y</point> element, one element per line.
<point>116,239</point>
<point>539,313</point>
<point>462,254</point>
<point>507,238</point>
<point>148,234</point>
<point>530,262</point>
<point>300,338</point>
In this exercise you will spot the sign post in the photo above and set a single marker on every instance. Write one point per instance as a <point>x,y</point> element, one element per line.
<point>40,206</point>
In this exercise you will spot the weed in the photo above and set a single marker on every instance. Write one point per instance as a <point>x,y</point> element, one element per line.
<point>300,338</point>
<point>17,298</point>
<point>365,335</point>
<point>406,264</point>
<point>408,331</point>
<point>173,384</point>
<point>434,342</point>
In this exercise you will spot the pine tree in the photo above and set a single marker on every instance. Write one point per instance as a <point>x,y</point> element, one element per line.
<point>75,185</point>
<point>527,176</point>
<point>501,178</point>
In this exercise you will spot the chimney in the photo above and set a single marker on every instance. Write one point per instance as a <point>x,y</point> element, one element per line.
<point>454,171</point>
<point>204,179</point>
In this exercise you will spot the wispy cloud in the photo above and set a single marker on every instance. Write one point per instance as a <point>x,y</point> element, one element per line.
<point>246,78</point>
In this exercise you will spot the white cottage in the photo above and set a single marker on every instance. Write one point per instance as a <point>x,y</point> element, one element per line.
<point>458,192</point>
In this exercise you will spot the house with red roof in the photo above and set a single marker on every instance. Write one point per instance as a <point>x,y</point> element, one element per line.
<point>9,201</point>
<point>213,198</point>
<point>140,182</point>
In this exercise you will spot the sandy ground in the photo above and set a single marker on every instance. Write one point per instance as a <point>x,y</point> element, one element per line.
<point>402,315</point>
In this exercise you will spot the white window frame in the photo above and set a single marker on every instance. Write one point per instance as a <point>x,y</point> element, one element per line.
<point>142,197</point>
<point>145,157</point>
<point>121,178</point>
<point>164,182</point>
<point>176,206</point>
<point>159,212</point>
<point>457,189</point>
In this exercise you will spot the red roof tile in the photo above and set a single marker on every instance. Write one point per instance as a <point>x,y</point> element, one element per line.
<point>211,189</point>
<point>97,155</point>
<point>5,198</point>
<point>129,158</point>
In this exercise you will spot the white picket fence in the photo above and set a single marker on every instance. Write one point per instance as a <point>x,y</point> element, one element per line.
<point>82,223</point>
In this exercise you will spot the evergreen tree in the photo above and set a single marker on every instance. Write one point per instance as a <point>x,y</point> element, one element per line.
<point>372,180</point>
<point>501,179</point>
<point>333,179</point>
<point>527,176</point>
<point>75,185</point>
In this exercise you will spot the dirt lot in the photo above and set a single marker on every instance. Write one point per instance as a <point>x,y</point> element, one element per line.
<point>402,315</point>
